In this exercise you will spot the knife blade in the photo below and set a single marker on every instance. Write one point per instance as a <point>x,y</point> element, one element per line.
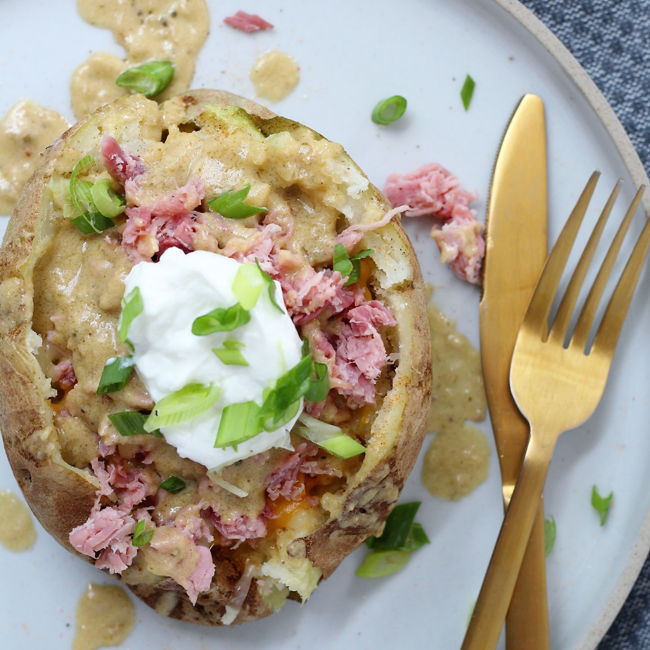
<point>516,248</point>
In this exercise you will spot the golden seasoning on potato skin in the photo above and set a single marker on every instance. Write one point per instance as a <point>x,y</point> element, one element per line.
<point>237,542</point>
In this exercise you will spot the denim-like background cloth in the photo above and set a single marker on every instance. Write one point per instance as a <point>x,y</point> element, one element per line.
<point>611,40</point>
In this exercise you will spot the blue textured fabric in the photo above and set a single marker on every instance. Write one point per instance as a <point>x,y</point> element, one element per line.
<point>611,39</point>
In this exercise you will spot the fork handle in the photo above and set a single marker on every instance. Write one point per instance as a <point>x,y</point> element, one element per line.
<point>501,576</point>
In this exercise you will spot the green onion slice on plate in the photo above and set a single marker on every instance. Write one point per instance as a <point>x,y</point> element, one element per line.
<point>185,404</point>
<point>141,536</point>
<point>382,563</point>
<point>131,423</point>
<point>107,202</point>
<point>115,375</point>
<point>149,78</point>
<point>173,484</point>
<point>467,91</point>
<point>132,307</point>
<point>389,110</point>
<point>400,533</point>
<point>231,204</point>
<point>221,320</point>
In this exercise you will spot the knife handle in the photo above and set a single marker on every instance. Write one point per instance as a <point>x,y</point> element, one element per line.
<point>527,620</point>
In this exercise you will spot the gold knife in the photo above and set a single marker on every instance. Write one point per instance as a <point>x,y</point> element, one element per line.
<point>516,249</point>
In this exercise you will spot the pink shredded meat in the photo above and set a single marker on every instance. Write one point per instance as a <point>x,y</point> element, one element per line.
<point>168,223</point>
<point>282,480</point>
<point>63,376</point>
<point>121,165</point>
<point>433,190</point>
<point>247,22</point>
<point>106,530</point>
<point>201,578</point>
<point>240,528</point>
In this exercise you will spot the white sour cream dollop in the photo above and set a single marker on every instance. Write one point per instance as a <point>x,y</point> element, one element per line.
<point>176,291</point>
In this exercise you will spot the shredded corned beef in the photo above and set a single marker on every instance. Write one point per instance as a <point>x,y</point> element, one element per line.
<point>168,223</point>
<point>201,578</point>
<point>360,351</point>
<point>240,528</point>
<point>352,235</point>
<point>247,22</point>
<point>62,375</point>
<point>282,480</point>
<point>121,165</point>
<point>106,530</point>
<point>432,190</point>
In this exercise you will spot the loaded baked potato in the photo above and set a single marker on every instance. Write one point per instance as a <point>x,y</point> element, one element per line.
<point>214,498</point>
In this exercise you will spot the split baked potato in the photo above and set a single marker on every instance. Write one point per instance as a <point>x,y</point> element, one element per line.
<point>61,298</point>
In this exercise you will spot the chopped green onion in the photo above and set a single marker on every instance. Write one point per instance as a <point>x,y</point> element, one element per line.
<point>93,222</point>
<point>221,320</point>
<point>549,535</point>
<point>271,286</point>
<point>149,78</point>
<point>80,190</point>
<point>342,262</point>
<point>320,386</point>
<point>467,91</point>
<point>185,404</point>
<point>106,200</point>
<point>89,221</point>
<point>115,375</point>
<point>281,404</point>
<point>131,423</point>
<point>248,285</point>
<point>343,446</point>
<point>141,536</point>
<point>173,484</point>
<point>239,422</point>
<point>416,539</point>
<point>349,267</point>
<point>132,307</point>
<point>398,527</point>
<point>328,437</point>
<point>230,355</point>
<point>382,563</point>
<point>389,110</point>
<point>231,204</point>
<point>601,504</point>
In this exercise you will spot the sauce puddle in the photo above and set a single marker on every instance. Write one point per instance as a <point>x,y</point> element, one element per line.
<point>105,617</point>
<point>17,532</point>
<point>164,30</point>
<point>457,460</point>
<point>275,75</point>
<point>25,131</point>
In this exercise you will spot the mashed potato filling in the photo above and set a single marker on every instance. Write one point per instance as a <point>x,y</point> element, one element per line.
<point>168,356</point>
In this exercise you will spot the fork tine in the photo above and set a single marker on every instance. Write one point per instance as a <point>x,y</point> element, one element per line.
<point>563,317</point>
<point>610,327</point>
<point>588,313</point>
<point>536,317</point>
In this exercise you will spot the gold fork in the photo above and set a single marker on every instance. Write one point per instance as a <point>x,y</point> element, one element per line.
<point>556,388</point>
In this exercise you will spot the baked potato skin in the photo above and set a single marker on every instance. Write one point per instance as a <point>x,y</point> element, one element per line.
<point>62,497</point>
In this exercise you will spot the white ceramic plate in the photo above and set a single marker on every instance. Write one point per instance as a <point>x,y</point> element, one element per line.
<point>353,53</point>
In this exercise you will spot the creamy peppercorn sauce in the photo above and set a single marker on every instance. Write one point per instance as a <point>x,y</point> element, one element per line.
<point>307,184</point>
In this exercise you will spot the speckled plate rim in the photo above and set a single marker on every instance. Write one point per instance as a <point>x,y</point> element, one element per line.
<point>633,163</point>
